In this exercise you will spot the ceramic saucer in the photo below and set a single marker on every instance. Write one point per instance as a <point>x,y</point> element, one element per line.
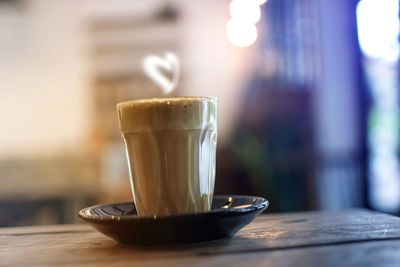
<point>121,222</point>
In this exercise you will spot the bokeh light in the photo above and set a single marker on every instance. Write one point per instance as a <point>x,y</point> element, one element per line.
<point>241,33</point>
<point>378,29</point>
<point>247,10</point>
<point>260,2</point>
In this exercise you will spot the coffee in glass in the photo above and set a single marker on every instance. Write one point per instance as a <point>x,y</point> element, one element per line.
<point>170,147</point>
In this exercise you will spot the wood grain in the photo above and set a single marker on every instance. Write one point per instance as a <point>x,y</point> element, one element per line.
<point>359,237</point>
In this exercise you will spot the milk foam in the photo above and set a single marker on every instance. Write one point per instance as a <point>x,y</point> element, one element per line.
<point>168,114</point>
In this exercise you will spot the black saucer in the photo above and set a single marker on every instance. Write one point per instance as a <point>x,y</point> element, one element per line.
<point>120,222</point>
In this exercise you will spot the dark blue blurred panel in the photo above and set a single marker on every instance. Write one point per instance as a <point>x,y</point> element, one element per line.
<point>301,139</point>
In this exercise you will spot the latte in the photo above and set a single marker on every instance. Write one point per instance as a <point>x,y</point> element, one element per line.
<point>170,147</point>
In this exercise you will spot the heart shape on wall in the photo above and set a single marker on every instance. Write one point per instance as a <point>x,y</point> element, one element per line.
<point>153,65</point>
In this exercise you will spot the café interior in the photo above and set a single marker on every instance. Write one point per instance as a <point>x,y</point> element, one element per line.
<point>308,99</point>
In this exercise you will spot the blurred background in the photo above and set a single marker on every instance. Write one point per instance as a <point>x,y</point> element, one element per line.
<point>308,99</point>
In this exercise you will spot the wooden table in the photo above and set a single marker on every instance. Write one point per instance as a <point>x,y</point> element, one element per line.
<point>340,238</point>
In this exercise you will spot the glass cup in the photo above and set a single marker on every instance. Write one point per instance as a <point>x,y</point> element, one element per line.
<point>170,147</point>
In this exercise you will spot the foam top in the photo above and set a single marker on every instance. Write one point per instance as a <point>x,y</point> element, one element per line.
<point>168,114</point>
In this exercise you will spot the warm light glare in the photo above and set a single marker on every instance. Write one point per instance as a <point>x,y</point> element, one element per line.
<point>247,10</point>
<point>241,33</point>
<point>241,29</point>
<point>260,2</point>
